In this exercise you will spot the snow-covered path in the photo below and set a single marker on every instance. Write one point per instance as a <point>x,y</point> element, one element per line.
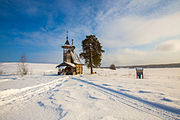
<point>22,94</point>
<point>106,95</point>
<point>77,98</point>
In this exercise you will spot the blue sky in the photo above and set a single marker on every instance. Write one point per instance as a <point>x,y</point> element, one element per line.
<point>131,31</point>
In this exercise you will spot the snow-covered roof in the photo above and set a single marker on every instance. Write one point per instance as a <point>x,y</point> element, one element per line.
<point>62,67</point>
<point>75,58</point>
<point>70,64</point>
<point>66,64</point>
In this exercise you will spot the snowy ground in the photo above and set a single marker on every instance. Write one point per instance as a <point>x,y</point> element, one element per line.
<point>107,95</point>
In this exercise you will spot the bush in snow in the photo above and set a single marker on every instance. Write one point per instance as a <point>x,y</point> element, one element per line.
<point>112,67</point>
<point>22,68</point>
<point>1,72</point>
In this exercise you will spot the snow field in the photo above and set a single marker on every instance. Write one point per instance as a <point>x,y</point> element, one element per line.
<point>107,95</point>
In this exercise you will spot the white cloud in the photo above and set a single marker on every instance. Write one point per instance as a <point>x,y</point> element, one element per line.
<point>124,33</point>
<point>41,38</point>
<point>170,45</point>
<point>138,30</point>
<point>122,57</point>
<point>125,57</point>
<point>133,52</point>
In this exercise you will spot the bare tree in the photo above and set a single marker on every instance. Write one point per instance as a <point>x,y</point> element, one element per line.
<point>1,72</point>
<point>22,68</point>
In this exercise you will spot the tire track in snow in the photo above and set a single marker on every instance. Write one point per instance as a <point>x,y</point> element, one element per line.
<point>13,95</point>
<point>156,109</point>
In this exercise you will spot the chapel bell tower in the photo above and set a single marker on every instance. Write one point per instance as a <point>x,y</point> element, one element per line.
<point>67,49</point>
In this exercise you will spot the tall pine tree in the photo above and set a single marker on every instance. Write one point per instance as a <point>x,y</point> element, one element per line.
<point>92,52</point>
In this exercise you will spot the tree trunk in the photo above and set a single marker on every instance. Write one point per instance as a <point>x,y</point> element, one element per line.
<point>90,61</point>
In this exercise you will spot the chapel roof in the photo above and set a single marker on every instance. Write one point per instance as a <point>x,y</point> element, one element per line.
<point>67,41</point>
<point>75,58</point>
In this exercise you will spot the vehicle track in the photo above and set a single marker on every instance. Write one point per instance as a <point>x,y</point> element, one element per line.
<point>14,95</point>
<point>155,109</point>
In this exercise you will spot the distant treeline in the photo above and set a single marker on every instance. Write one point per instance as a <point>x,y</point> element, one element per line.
<point>172,65</point>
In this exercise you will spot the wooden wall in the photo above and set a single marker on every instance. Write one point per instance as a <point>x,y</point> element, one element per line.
<point>79,69</point>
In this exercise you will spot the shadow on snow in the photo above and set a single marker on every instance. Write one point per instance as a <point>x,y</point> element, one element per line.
<point>153,104</point>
